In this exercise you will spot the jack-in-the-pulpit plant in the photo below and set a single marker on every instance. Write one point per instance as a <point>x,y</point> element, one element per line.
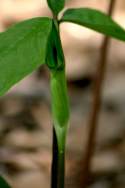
<point>31,43</point>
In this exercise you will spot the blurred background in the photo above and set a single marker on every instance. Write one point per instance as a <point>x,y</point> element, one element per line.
<point>25,118</point>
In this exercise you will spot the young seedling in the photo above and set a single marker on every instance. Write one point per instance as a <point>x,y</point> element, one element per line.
<point>31,43</point>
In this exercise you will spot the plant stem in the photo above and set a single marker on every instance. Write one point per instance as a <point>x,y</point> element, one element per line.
<point>97,98</point>
<point>54,168</point>
<point>60,111</point>
<point>61,169</point>
<point>58,165</point>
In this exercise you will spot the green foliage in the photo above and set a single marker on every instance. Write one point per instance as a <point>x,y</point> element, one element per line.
<point>23,49</point>
<point>56,5</point>
<point>3,183</point>
<point>95,20</point>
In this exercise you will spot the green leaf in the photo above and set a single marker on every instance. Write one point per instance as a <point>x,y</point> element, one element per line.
<point>23,49</point>
<point>56,5</point>
<point>3,183</point>
<point>95,20</point>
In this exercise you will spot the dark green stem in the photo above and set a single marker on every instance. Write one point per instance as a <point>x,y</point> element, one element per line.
<point>54,169</point>
<point>61,169</point>
<point>58,165</point>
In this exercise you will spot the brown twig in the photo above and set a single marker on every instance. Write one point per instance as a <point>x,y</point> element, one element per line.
<point>97,98</point>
